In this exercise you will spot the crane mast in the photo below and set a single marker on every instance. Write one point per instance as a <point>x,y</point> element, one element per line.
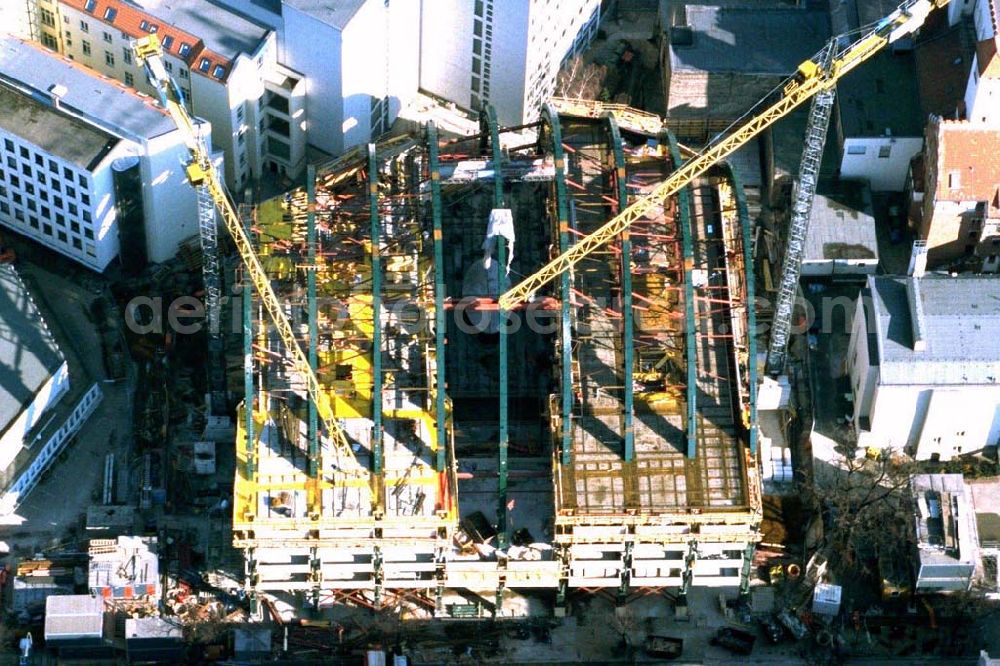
<point>201,173</point>
<point>798,226</point>
<point>810,79</point>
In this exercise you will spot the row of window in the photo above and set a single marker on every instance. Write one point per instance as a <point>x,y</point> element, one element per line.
<point>40,160</point>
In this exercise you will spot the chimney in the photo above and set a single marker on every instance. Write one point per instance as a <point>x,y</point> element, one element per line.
<point>918,259</point>
<point>57,91</point>
<point>918,328</point>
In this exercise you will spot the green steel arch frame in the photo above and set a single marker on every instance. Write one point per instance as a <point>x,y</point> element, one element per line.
<point>628,342</point>
<point>690,346</point>
<point>440,378</point>
<point>550,120</point>
<point>488,127</point>
<point>745,225</point>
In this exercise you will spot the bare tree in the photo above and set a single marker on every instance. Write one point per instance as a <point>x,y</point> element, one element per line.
<point>580,80</point>
<point>868,510</point>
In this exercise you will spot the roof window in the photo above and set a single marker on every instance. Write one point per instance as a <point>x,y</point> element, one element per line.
<point>153,28</point>
<point>184,48</point>
<point>144,25</point>
<point>219,71</point>
<point>203,65</point>
<point>168,41</point>
<point>110,13</point>
<point>90,5</point>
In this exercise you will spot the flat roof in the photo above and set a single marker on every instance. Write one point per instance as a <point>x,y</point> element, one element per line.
<point>841,226</point>
<point>29,355</point>
<point>74,616</point>
<point>96,98</point>
<point>882,95</point>
<point>943,515</point>
<point>57,133</point>
<point>750,40</point>
<point>961,322</point>
<point>338,14</point>
<point>222,29</point>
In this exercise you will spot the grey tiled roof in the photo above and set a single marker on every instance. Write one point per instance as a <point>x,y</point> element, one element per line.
<point>961,329</point>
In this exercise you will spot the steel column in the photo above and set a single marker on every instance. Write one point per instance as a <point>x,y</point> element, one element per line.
<point>628,343</point>
<point>376,313</point>
<point>488,126</point>
<point>551,117</point>
<point>248,388</point>
<point>440,323</point>
<point>314,466</point>
<point>690,346</point>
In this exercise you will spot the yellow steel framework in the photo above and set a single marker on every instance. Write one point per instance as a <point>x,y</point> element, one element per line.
<point>202,173</point>
<point>808,80</point>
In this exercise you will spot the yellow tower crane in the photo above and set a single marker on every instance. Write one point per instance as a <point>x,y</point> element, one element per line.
<point>201,173</point>
<point>811,78</point>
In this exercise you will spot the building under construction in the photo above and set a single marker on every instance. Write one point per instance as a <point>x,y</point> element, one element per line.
<point>599,436</point>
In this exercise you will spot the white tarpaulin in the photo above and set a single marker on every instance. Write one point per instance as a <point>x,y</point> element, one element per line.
<point>501,224</point>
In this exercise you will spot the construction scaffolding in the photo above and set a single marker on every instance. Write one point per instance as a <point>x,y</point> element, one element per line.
<point>607,424</point>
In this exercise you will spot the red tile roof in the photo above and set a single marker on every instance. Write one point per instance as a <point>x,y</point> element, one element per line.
<point>131,21</point>
<point>972,152</point>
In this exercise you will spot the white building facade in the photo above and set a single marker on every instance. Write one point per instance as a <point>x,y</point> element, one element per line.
<point>504,53</point>
<point>925,366</point>
<point>982,92</point>
<point>89,168</point>
<point>224,63</point>
<point>32,431</point>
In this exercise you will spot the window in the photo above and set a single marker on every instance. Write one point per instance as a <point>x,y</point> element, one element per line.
<point>77,244</point>
<point>49,41</point>
<point>127,55</point>
<point>62,236</point>
<point>88,234</point>
<point>85,199</point>
<point>48,18</point>
<point>4,208</point>
<point>169,66</point>
<point>153,28</point>
<point>24,152</point>
<point>47,229</point>
<point>109,14</point>
<point>144,25</point>
<point>69,38</point>
<point>884,152</point>
<point>107,37</point>
<point>56,185</point>
<point>855,149</point>
<point>39,160</point>
<point>168,41</point>
<point>70,192</point>
<point>109,59</point>
<point>67,173</point>
<point>184,48</point>
<point>89,6</point>
<point>182,72</point>
<point>86,47</point>
<point>86,216</point>
<point>204,64</point>
<point>57,201</point>
<point>954,180</point>
<point>73,209</point>
<point>84,26</point>
<point>18,199</point>
<point>219,71</point>
<point>80,178</point>
<point>26,170</point>
<point>129,79</point>
<point>9,145</point>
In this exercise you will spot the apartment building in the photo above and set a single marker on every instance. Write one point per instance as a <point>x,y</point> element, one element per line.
<point>224,63</point>
<point>88,167</point>
<point>360,60</point>
<point>505,53</point>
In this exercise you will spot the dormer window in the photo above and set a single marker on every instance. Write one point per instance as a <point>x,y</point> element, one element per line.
<point>89,7</point>
<point>144,25</point>
<point>184,49</point>
<point>109,14</point>
<point>168,41</point>
<point>219,71</point>
<point>204,64</point>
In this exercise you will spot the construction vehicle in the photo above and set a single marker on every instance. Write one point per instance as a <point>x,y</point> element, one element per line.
<point>202,174</point>
<point>818,74</point>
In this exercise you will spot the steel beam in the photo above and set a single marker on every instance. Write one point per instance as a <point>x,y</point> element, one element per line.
<point>690,346</point>
<point>488,127</point>
<point>550,117</point>
<point>628,343</point>
<point>376,314</point>
<point>440,323</point>
<point>313,425</point>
